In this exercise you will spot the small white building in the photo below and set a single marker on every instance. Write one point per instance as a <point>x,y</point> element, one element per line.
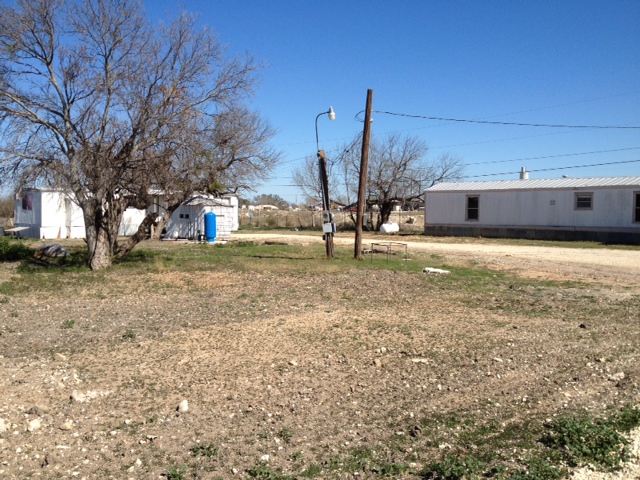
<point>597,209</point>
<point>187,221</point>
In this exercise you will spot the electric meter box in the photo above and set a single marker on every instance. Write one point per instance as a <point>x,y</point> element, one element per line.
<point>329,228</point>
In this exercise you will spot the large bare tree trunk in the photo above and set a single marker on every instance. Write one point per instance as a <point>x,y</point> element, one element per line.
<point>102,222</point>
<point>100,251</point>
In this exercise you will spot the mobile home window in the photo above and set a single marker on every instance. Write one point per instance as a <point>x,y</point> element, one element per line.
<point>636,209</point>
<point>27,202</point>
<point>584,201</point>
<point>473,207</point>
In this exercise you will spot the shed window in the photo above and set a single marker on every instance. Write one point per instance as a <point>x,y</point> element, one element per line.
<point>636,207</point>
<point>473,208</point>
<point>584,201</point>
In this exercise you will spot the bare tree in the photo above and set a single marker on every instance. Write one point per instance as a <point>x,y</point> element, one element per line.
<point>95,100</point>
<point>399,171</point>
<point>307,177</point>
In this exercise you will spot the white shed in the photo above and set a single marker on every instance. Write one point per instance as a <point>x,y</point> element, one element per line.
<point>598,209</point>
<point>187,221</point>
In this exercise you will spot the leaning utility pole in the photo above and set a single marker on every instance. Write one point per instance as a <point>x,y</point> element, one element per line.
<point>362,185</point>
<point>327,220</point>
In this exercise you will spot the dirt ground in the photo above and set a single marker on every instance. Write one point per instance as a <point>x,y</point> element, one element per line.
<point>228,374</point>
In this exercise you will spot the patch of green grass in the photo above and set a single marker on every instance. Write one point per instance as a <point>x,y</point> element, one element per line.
<point>13,249</point>
<point>311,471</point>
<point>456,467</point>
<point>207,449</point>
<point>539,469</point>
<point>129,335</point>
<point>178,472</point>
<point>368,461</point>
<point>153,418</point>
<point>68,323</point>
<point>583,440</point>
<point>285,434</point>
<point>625,419</point>
<point>478,448</point>
<point>263,471</point>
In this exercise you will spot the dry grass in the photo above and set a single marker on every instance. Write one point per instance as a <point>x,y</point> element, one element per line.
<point>328,367</point>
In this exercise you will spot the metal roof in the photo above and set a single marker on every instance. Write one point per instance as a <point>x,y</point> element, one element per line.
<point>537,184</point>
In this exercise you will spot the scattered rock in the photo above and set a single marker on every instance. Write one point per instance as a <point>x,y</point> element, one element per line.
<point>68,425</point>
<point>38,410</point>
<point>78,397</point>
<point>183,406</point>
<point>265,458</point>
<point>34,425</point>
<point>616,377</point>
<point>583,325</point>
<point>3,425</point>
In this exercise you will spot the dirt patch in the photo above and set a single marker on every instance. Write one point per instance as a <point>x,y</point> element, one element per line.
<point>285,371</point>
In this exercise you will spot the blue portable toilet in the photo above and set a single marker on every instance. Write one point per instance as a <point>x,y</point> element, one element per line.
<point>210,227</point>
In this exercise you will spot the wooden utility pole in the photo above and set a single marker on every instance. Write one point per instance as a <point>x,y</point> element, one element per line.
<point>362,185</point>
<point>327,221</point>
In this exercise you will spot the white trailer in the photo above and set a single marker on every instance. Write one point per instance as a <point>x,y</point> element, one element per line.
<point>599,209</point>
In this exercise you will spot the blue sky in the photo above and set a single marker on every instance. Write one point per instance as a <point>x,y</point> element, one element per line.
<point>549,62</point>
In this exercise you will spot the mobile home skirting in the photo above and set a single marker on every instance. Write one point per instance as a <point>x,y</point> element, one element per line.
<point>621,236</point>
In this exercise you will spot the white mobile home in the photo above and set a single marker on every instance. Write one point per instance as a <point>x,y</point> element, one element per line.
<point>46,214</point>
<point>187,221</point>
<point>597,209</point>
<point>50,213</point>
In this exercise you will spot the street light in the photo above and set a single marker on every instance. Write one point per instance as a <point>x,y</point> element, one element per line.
<point>328,227</point>
<point>332,116</point>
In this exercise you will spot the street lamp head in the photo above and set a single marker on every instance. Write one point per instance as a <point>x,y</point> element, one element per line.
<point>332,116</point>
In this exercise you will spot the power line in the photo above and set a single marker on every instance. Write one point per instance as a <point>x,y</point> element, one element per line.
<point>554,156</point>
<point>565,104</point>
<point>556,168</point>
<point>517,124</point>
